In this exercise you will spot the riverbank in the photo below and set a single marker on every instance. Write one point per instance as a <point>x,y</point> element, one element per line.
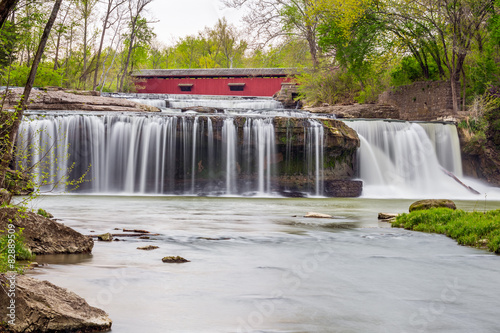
<point>476,229</point>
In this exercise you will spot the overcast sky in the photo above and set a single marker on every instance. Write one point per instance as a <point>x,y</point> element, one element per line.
<point>179,18</point>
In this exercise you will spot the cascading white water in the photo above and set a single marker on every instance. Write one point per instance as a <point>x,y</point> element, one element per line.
<point>402,159</point>
<point>172,101</point>
<point>160,154</point>
<point>315,157</point>
<point>260,134</point>
<point>223,102</point>
<point>159,103</point>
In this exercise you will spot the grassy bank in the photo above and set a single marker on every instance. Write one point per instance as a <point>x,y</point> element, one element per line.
<point>476,229</point>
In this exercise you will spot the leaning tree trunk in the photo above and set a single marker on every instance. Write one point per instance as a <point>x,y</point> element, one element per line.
<point>6,155</point>
<point>6,7</point>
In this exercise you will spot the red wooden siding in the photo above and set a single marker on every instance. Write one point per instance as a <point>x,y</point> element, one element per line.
<point>254,86</point>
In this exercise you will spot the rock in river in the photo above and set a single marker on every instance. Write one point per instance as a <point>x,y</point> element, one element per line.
<point>41,306</point>
<point>318,215</point>
<point>174,260</point>
<point>432,203</point>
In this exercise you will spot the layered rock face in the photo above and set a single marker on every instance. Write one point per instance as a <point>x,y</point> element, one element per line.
<point>481,159</point>
<point>42,307</point>
<point>75,101</point>
<point>294,167</point>
<point>45,236</point>
<point>364,111</point>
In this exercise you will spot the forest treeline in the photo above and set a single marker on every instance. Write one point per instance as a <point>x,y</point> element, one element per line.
<point>348,50</point>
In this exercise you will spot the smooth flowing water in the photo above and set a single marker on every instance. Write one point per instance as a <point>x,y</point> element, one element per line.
<point>258,266</point>
<point>165,154</point>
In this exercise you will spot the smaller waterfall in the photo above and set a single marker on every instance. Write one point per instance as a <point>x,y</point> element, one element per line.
<point>402,159</point>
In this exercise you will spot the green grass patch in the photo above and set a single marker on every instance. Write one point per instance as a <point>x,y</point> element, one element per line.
<point>478,229</point>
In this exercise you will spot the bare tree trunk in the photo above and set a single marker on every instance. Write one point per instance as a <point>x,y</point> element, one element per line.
<point>18,115</point>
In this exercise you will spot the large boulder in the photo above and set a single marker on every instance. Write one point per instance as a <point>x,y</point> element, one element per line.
<point>41,306</point>
<point>43,235</point>
<point>432,203</point>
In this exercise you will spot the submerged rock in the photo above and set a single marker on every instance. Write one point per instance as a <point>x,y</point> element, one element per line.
<point>318,215</point>
<point>432,203</point>
<point>174,260</point>
<point>45,236</point>
<point>43,307</point>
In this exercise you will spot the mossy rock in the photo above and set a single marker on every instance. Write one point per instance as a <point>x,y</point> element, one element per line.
<point>174,260</point>
<point>105,237</point>
<point>432,203</point>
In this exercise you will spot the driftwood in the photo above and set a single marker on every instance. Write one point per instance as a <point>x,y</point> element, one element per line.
<point>459,181</point>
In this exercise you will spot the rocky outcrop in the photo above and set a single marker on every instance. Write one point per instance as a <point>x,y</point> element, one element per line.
<point>432,203</point>
<point>343,188</point>
<point>41,306</point>
<point>71,101</point>
<point>366,111</point>
<point>481,154</point>
<point>43,235</point>
<point>288,95</point>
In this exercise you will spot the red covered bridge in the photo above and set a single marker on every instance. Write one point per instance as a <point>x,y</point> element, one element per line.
<point>213,81</point>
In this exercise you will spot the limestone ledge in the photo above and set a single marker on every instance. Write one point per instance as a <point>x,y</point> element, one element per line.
<point>75,101</point>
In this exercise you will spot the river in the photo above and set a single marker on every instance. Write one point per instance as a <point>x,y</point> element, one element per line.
<point>257,265</point>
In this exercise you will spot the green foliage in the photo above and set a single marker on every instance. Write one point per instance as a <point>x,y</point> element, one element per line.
<point>478,229</point>
<point>332,86</point>
<point>409,71</point>
<point>8,39</point>
<point>18,249</point>
<point>46,75</point>
<point>44,213</point>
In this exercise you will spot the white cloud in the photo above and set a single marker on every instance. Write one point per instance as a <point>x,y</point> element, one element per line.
<point>180,18</point>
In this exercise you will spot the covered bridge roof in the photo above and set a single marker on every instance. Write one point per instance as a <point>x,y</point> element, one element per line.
<point>216,72</point>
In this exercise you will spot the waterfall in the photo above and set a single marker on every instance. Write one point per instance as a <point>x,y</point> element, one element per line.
<point>172,101</point>
<point>166,154</point>
<point>402,159</point>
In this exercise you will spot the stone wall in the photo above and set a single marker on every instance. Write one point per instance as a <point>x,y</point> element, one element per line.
<point>424,101</point>
<point>287,95</point>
